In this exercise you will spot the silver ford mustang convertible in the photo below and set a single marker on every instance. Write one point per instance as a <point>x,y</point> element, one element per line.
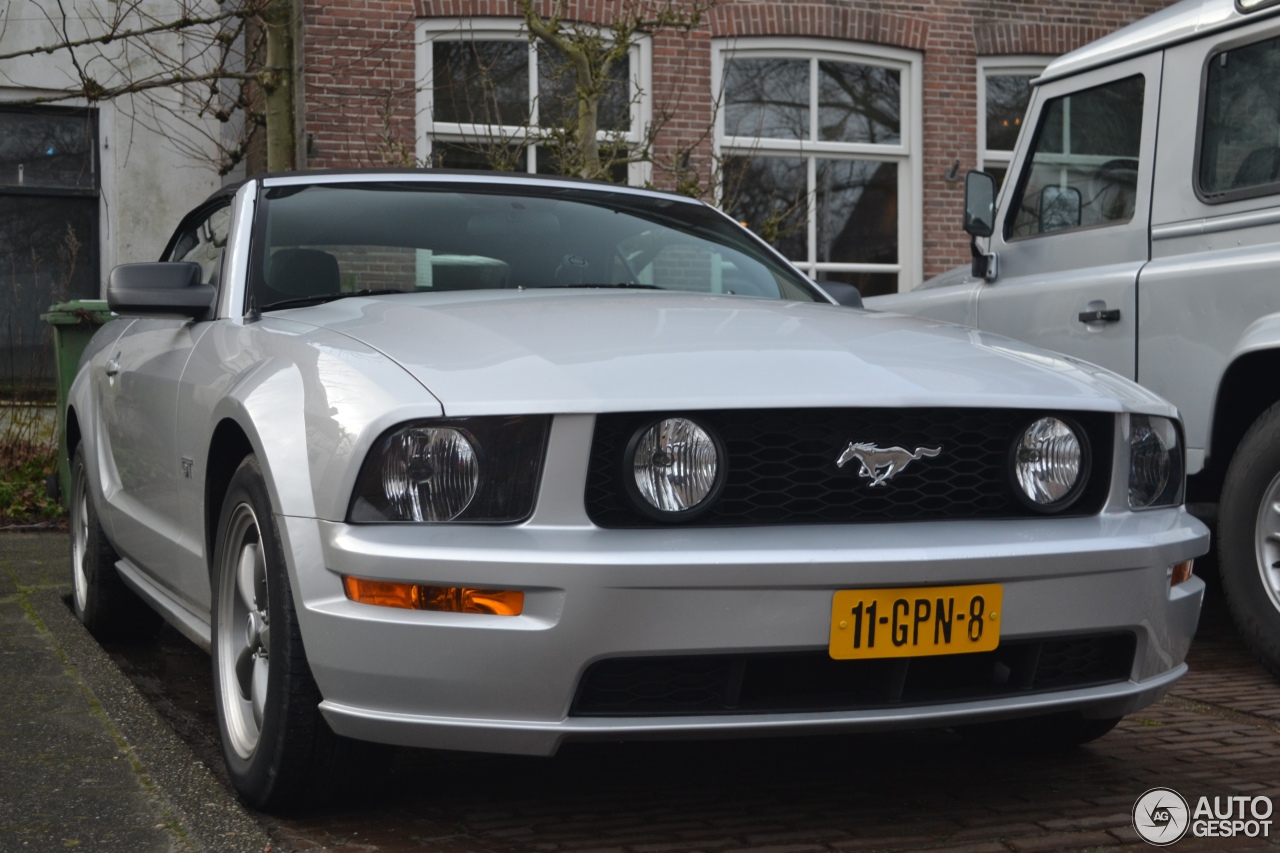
<point>487,463</point>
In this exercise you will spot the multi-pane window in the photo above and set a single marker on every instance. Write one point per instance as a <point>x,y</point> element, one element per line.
<point>1004,91</point>
<point>816,155</point>
<point>1240,129</point>
<point>490,99</point>
<point>48,234</point>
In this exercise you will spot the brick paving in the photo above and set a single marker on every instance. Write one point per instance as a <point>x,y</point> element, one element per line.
<point>1217,734</point>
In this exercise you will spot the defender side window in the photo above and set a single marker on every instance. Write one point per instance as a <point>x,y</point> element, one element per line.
<point>202,242</point>
<point>1083,170</point>
<point>1240,124</point>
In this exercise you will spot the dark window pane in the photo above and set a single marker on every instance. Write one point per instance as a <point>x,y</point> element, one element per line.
<point>462,155</point>
<point>47,255</point>
<point>1084,169</point>
<point>769,196</point>
<point>1240,144</point>
<point>481,82</point>
<point>997,171</point>
<point>859,103</point>
<point>868,283</point>
<point>767,98</point>
<point>557,97</point>
<point>47,149</point>
<point>1007,99</point>
<point>857,212</point>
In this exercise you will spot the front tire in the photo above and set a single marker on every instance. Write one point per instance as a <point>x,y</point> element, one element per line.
<point>1249,538</point>
<point>278,749</point>
<point>102,602</point>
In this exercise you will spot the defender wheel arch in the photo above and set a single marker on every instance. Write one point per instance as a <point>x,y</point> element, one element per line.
<point>1239,403</point>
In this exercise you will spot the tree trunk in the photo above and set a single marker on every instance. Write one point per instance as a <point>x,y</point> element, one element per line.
<point>277,87</point>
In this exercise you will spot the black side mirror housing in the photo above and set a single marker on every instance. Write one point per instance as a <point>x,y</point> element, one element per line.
<point>160,288</point>
<point>842,292</point>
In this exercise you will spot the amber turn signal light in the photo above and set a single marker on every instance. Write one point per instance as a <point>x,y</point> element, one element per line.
<point>1180,572</point>
<point>447,599</point>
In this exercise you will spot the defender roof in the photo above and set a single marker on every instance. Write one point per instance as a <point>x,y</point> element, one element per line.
<point>1180,22</point>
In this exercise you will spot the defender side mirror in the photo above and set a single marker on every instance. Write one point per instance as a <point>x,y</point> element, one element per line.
<point>979,204</point>
<point>980,219</point>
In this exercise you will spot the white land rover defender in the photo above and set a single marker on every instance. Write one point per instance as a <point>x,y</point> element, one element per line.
<point>1139,229</point>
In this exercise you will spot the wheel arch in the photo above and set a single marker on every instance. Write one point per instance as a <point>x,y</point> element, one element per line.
<point>71,433</point>
<point>228,447</point>
<point>1237,405</point>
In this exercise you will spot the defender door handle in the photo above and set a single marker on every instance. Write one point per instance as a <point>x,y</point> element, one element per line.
<point>112,366</point>
<point>1100,316</point>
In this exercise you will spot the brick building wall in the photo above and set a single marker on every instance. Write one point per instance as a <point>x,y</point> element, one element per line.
<point>359,80</point>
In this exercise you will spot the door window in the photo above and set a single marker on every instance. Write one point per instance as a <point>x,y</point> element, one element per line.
<point>203,241</point>
<point>1083,170</point>
<point>1240,124</point>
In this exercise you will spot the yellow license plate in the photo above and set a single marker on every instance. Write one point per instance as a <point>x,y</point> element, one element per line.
<point>894,623</point>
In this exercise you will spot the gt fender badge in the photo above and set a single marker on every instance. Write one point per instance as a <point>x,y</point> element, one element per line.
<point>882,464</point>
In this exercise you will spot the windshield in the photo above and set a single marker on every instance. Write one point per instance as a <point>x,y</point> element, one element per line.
<point>328,241</point>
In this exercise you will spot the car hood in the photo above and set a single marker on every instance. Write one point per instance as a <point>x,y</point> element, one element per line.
<point>505,352</point>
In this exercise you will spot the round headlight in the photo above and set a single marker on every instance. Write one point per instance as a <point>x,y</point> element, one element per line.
<point>1154,462</point>
<point>430,473</point>
<point>1048,463</point>
<point>676,465</point>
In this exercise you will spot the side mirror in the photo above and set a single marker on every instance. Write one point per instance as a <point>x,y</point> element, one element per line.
<point>160,288</point>
<point>842,292</point>
<point>979,204</point>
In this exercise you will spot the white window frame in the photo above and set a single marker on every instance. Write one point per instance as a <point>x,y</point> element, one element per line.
<point>1002,66</point>
<point>907,152</point>
<point>431,30</point>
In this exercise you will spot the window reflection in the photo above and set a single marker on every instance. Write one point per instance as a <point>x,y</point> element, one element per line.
<point>769,196</point>
<point>481,82</point>
<point>857,212</point>
<point>47,149</point>
<point>1007,99</point>
<point>767,97</point>
<point>859,103</point>
<point>557,100</point>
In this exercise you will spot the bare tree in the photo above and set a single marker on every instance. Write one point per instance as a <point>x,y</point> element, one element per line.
<point>231,61</point>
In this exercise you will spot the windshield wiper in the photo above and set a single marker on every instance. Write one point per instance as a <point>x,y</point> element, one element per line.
<point>321,298</point>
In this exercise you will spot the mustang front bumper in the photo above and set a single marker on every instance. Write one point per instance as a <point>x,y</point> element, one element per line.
<point>507,684</point>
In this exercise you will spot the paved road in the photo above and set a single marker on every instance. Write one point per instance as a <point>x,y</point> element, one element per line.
<point>1217,735</point>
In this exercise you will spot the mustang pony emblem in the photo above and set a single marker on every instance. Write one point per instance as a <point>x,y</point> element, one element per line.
<point>881,464</point>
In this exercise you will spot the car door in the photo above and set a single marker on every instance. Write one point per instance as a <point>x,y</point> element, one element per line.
<point>140,409</point>
<point>1072,235</point>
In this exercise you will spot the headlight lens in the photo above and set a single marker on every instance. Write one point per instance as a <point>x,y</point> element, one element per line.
<point>1155,462</point>
<point>1049,463</point>
<point>676,467</point>
<point>458,469</point>
<point>430,473</point>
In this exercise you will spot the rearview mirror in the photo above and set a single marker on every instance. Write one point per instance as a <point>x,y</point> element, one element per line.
<point>160,288</point>
<point>1059,208</point>
<point>979,204</point>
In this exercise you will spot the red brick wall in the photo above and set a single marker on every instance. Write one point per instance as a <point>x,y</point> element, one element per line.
<point>359,77</point>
